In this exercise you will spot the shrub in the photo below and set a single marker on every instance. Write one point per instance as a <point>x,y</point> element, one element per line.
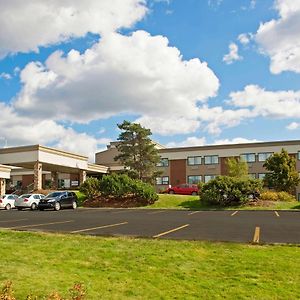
<point>121,186</point>
<point>229,191</point>
<point>91,187</point>
<point>277,196</point>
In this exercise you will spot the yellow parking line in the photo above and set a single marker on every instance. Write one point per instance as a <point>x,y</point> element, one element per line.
<point>156,212</point>
<point>234,213</point>
<point>42,224</point>
<point>194,212</point>
<point>276,213</point>
<point>170,231</point>
<point>94,228</point>
<point>256,235</point>
<point>13,220</point>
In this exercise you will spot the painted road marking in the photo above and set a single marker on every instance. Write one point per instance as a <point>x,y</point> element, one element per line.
<point>94,228</point>
<point>43,224</point>
<point>256,235</point>
<point>276,213</point>
<point>233,214</point>
<point>156,212</point>
<point>194,212</point>
<point>170,231</point>
<point>18,220</point>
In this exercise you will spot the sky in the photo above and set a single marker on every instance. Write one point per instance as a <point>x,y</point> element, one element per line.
<point>195,72</point>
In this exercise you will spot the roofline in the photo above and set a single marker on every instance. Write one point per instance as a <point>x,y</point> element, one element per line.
<point>42,148</point>
<point>4,168</point>
<point>229,146</point>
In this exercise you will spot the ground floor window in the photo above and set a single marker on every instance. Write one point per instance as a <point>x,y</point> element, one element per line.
<point>164,180</point>
<point>207,178</point>
<point>252,175</point>
<point>261,176</point>
<point>194,179</point>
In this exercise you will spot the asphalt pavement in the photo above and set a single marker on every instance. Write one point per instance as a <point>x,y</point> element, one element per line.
<point>225,226</point>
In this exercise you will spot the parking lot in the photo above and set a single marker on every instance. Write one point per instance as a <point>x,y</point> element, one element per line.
<point>235,226</point>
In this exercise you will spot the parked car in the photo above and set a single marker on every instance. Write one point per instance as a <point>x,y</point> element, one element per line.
<point>58,200</point>
<point>184,189</point>
<point>28,201</point>
<point>8,201</point>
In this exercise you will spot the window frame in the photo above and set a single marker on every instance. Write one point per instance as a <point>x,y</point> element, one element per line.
<point>271,153</point>
<point>188,182</point>
<point>211,156</point>
<point>214,176</point>
<point>162,180</point>
<point>160,164</point>
<point>247,154</point>
<point>194,157</point>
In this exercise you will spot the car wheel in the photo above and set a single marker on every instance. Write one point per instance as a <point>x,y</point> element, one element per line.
<point>194,193</point>
<point>8,206</point>
<point>74,205</point>
<point>33,206</point>
<point>19,208</point>
<point>171,192</point>
<point>57,206</point>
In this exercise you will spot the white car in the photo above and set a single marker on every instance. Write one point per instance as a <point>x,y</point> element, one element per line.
<point>28,201</point>
<point>8,201</point>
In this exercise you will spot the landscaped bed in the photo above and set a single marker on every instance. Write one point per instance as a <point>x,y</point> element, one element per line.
<point>123,268</point>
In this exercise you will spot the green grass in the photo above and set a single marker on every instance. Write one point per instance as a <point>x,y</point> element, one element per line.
<point>81,197</point>
<point>123,268</point>
<point>193,202</point>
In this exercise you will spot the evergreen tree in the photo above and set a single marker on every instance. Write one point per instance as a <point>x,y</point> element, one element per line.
<point>282,175</point>
<point>137,151</point>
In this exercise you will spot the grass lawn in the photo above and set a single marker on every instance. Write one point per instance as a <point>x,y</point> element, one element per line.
<point>123,268</point>
<point>193,202</point>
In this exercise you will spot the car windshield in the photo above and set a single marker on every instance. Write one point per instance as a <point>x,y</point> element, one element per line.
<point>55,194</point>
<point>25,196</point>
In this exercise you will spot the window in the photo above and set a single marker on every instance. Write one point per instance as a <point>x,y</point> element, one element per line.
<point>211,159</point>
<point>298,155</point>
<point>194,179</point>
<point>261,175</point>
<point>164,180</point>
<point>252,175</point>
<point>207,178</point>
<point>194,160</point>
<point>164,162</point>
<point>248,157</point>
<point>264,156</point>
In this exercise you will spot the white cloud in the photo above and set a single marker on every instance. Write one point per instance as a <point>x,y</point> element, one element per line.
<point>293,126</point>
<point>138,74</point>
<point>233,54</point>
<point>237,140</point>
<point>189,142</point>
<point>280,38</point>
<point>27,25</point>
<point>21,130</point>
<point>6,76</point>
<point>279,104</point>
<point>252,4</point>
<point>245,38</point>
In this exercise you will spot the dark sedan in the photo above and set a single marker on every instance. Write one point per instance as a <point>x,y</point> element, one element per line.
<point>58,200</point>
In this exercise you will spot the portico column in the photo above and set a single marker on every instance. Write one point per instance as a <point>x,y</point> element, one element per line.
<point>54,179</point>
<point>82,176</point>
<point>2,186</point>
<point>37,178</point>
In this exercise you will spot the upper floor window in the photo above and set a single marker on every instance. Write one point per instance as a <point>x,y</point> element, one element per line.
<point>211,159</point>
<point>298,155</point>
<point>248,157</point>
<point>194,179</point>
<point>194,160</point>
<point>264,156</point>
<point>164,162</point>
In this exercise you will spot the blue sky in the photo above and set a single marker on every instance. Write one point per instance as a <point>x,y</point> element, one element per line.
<point>195,72</point>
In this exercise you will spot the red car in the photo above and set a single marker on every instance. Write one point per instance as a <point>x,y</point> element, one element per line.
<point>183,189</point>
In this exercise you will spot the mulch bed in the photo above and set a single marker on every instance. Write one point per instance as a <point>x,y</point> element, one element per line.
<point>123,202</point>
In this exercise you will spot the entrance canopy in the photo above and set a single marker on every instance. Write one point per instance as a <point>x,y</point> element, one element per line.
<point>40,159</point>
